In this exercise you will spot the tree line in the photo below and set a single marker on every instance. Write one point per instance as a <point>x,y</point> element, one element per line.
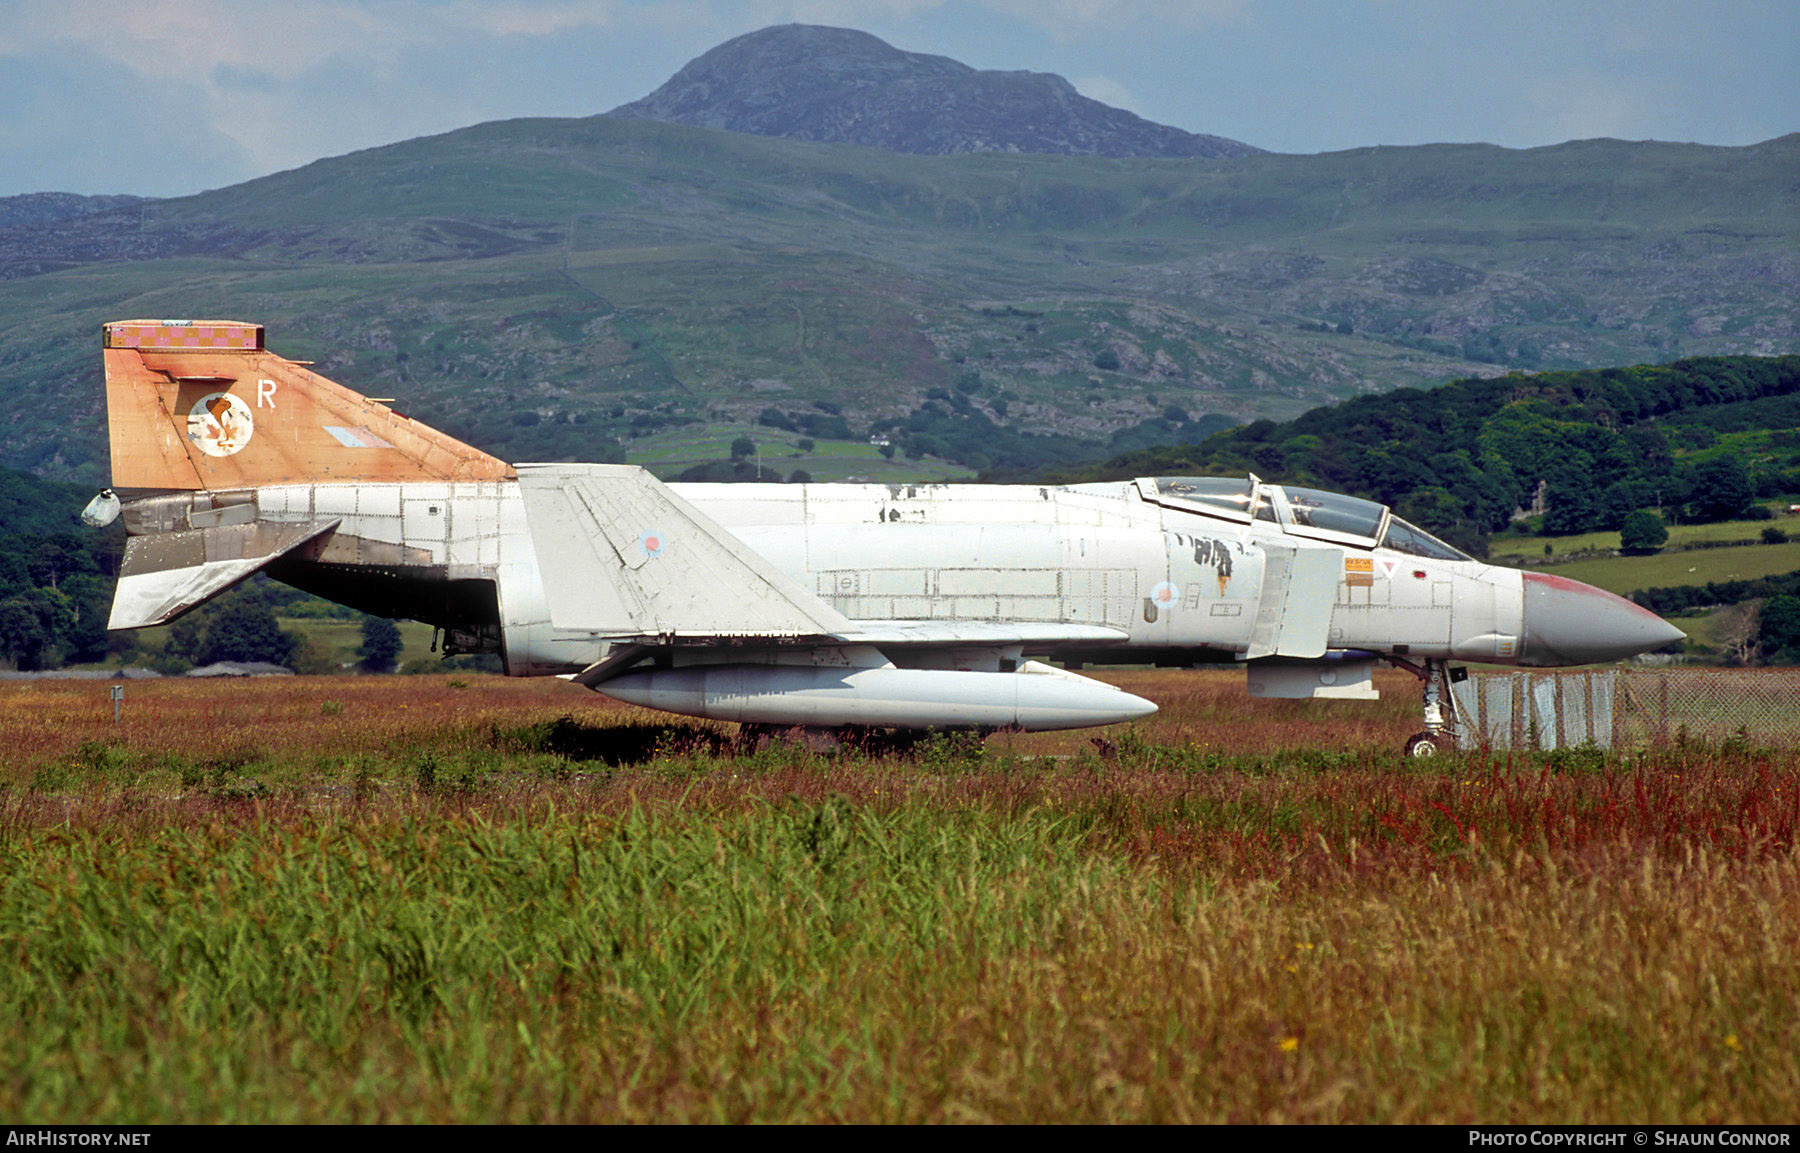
<point>1588,448</point>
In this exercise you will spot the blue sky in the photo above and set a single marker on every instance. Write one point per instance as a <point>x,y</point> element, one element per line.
<point>166,97</point>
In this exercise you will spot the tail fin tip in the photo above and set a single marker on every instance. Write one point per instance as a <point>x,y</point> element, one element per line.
<point>184,335</point>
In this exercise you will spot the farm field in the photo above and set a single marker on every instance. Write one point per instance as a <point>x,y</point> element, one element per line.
<point>341,640</point>
<point>1530,549</point>
<point>336,640</point>
<point>470,899</point>
<point>669,452</point>
<point>1628,574</point>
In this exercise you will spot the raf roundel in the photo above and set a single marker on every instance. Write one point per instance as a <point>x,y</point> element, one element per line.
<point>652,543</point>
<point>220,424</point>
<point>1165,595</point>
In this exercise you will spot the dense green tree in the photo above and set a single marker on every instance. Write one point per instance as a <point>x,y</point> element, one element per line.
<point>1432,508</point>
<point>1442,513</point>
<point>245,629</point>
<point>1642,532</point>
<point>1570,507</point>
<point>1620,500</point>
<point>1650,451</point>
<point>1778,630</point>
<point>85,638</point>
<point>829,426</point>
<point>1721,490</point>
<point>30,622</point>
<point>381,645</point>
<point>742,447</point>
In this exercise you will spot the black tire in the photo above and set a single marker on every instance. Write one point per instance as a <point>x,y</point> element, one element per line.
<point>1426,745</point>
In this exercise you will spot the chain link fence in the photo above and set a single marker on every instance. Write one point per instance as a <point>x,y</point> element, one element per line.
<point>1629,708</point>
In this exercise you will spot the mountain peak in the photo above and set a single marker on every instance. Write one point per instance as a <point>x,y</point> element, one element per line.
<point>809,82</point>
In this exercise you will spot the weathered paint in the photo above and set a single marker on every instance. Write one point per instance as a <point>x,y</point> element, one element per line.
<point>192,406</point>
<point>934,595</point>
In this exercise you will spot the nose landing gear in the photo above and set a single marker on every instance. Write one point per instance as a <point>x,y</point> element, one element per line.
<point>1440,707</point>
<point>1427,744</point>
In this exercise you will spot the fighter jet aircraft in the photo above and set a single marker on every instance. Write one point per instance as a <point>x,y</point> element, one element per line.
<point>813,605</point>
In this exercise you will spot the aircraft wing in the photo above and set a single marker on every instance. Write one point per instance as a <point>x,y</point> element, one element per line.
<point>626,560</point>
<point>624,557</point>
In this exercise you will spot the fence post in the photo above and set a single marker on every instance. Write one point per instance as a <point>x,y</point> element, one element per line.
<point>1620,688</point>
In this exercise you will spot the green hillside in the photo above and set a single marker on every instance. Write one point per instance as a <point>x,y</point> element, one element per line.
<point>564,288</point>
<point>1582,451</point>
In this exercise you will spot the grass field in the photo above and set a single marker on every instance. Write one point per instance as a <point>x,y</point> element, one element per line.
<point>468,899</point>
<point>1627,574</point>
<point>335,640</point>
<point>667,453</point>
<point>1530,549</point>
<point>340,640</point>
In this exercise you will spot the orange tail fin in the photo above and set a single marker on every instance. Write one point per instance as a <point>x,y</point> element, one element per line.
<point>201,404</point>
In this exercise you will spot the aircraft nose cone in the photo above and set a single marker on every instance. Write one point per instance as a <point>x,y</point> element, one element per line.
<point>1570,623</point>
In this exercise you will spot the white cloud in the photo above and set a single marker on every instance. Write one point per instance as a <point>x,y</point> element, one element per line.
<point>287,81</point>
<point>1066,18</point>
<point>190,38</point>
<point>282,37</point>
<point>840,13</point>
<point>1578,107</point>
<point>529,19</point>
<point>1107,91</point>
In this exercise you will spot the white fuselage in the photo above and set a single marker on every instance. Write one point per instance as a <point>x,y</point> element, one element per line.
<point>1172,579</point>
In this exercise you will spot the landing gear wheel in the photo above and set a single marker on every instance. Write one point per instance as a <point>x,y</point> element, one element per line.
<point>1426,745</point>
<point>1440,706</point>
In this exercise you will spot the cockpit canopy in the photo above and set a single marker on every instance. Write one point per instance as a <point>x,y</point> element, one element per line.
<point>1307,512</point>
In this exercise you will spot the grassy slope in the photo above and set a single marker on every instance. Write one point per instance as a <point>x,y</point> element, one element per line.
<point>667,454</point>
<point>580,266</point>
<point>1675,565</point>
<point>1628,574</point>
<point>339,640</point>
<point>1518,550</point>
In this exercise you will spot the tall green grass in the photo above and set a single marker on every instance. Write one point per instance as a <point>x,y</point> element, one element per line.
<point>278,965</point>
<point>536,930</point>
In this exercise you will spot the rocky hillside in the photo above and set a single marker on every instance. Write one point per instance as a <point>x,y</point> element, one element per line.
<point>47,207</point>
<point>838,85</point>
